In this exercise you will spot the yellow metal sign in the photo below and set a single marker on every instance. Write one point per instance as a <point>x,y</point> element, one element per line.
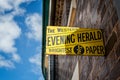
<point>74,41</point>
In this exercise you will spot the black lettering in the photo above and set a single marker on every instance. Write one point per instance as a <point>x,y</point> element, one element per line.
<point>79,37</point>
<point>68,50</point>
<point>83,37</point>
<point>50,30</point>
<point>102,50</point>
<point>59,30</point>
<point>94,49</point>
<point>53,40</point>
<point>91,36</point>
<point>62,39</point>
<point>99,34</point>
<point>57,40</point>
<point>87,49</point>
<point>87,36</point>
<point>95,36</point>
<point>72,39</point>
<point>48,41</point>
<point>90,49</point>
<point>68,38</point>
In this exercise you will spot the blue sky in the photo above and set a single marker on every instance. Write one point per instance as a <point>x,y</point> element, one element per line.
<point>20,39</point>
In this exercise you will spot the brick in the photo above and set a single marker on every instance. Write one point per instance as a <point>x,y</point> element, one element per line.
<point>115,72</point>
<point>118,29</point>
<point>110,43</point>
<point>118,50</point>
<point>103,71</point>
<point>106,32</point>
<point>85,67</point>
<point>118,78</point>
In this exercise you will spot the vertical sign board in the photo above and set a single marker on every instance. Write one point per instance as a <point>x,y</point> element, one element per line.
<point>74,41</point>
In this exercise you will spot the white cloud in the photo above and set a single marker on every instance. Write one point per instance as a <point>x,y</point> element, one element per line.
<point>36,61</point>
<point>15,57</point>
<point>11,4</point>
<point>6,63</point>
<point>9,30</point>
<point>34,23</point>
<point>18,11</point>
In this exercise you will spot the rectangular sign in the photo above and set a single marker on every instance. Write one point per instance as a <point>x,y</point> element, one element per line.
<point>74,41</point>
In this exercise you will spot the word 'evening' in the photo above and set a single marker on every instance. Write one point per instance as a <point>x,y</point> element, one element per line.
<point>72,38</point>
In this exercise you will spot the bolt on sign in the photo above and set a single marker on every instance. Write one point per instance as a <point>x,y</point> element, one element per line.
<point>74,41</point>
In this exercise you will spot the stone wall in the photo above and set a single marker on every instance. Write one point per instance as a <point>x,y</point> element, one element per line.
<point>99,14</point>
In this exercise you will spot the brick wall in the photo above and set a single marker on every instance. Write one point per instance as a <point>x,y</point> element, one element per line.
<point>66,65</point>
<point>100,14</point>
<point>65,14</point>
<point>59,10</point>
